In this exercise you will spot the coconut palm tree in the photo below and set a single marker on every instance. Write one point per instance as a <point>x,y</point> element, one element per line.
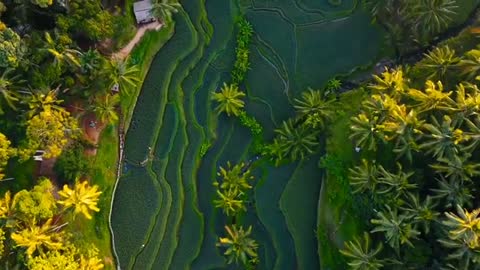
<point>454,192</point>
<point>390,82</point>
<point>274,151</point>
<point>39,101</point>
<point>442,140</point>
<point>470,64</point>
<point>465,225</point>
<point>404,127</point>
<point>467,100</point>
<point>397,228</point>
<point>235,178</point>
<point>423,211</point>
<point>163,9</point>
<point>36,237</point>
<point>432,16</point>
<point>433,98</point>
<point>8,84</point>
<point>240,248</point>
<point>229,99</point>
<point>364,177</point>
<point>361,255</point>
<point>83,198</point>
<point>120,73</point>
<point>467,254</point>
<point>297,142</point>
<point>366,131</point>
<point>457,168</point>
<point>438,61</point>
<point>105,108</point>
<point>394,183</point>
<point>230,201</point>
<point>313,109</point>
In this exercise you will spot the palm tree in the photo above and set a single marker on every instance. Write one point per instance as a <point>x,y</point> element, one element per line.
<point>8,84</point>
<point>396,183</point>
<point>35,237</point>
<point>105,108</point>
<point>120,73</point>
<point>82,198</point>
<point>297,142</point>
<point>364,177</point>
<point>240,247</point>
<point>465,225</point>
<point>230,201</point>
<point>467,100</point>
<point>454,192</point>
<point>229,99</point>
<point>366,131</point>
<point>470,64</point>
<point>433,16</point>
<point>397,229</point>
<point>390,82</point>
<point>361,254</point>
<point>404,128</point>
<point>234,178</point>
<point>433,98</point>
<point>313,109</point>
<point>457,168</point>
<point>438,61</point>
<point>163,9</point>
<point>464,252</point>
<point>423,211</point>
<point>61,55</point>
<point>443,140</point>
<point>274,151</point>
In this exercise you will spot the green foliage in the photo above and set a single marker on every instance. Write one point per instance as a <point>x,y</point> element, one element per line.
<point>313,110</point>
<point>42,3</point>
<point>72,163</point>
<point>204,148</point>
<point>240,248</point>
<point>12,49</point>
<point>296,142</point>
<point>87,17</point>
<point>361,255</point>
<point>232,188</point>
<point>38,203</point>
<point>163,9</point>
<point>241,66</point>
<point>229,100</point>
<point>251,123</point>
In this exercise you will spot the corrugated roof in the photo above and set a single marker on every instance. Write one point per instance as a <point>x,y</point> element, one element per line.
<point>142,5</point>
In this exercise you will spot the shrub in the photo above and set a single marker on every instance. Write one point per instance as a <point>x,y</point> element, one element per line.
<point>251,123</point>
<point>242,64</point>
<point>204,148</point>
<point>72,163</point>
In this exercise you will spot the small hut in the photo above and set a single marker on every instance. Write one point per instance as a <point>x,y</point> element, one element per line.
<point>142,11</point>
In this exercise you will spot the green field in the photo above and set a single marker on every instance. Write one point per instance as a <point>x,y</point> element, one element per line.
<point>163,217</point>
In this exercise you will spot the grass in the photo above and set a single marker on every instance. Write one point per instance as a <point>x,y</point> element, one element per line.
<point>97,231</point>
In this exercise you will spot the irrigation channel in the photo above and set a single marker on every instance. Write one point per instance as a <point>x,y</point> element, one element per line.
<point>163,216</point>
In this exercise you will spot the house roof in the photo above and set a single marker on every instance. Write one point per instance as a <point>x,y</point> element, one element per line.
<point>142,10</point>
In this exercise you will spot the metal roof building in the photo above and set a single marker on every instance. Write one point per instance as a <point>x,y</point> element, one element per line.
<point>142,11</point>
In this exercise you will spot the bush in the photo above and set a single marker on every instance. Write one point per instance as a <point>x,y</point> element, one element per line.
<point>242,64</point>
<point>251,123</point>
<point>72,163</point>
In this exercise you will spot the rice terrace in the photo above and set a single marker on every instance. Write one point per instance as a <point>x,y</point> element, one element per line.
<point>167,209</point>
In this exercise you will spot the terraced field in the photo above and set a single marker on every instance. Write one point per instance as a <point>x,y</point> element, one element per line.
<point>163,217</point>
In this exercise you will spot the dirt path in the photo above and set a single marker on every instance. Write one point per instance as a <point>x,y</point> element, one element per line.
<point>125,51</point>
<point>92,129</point>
